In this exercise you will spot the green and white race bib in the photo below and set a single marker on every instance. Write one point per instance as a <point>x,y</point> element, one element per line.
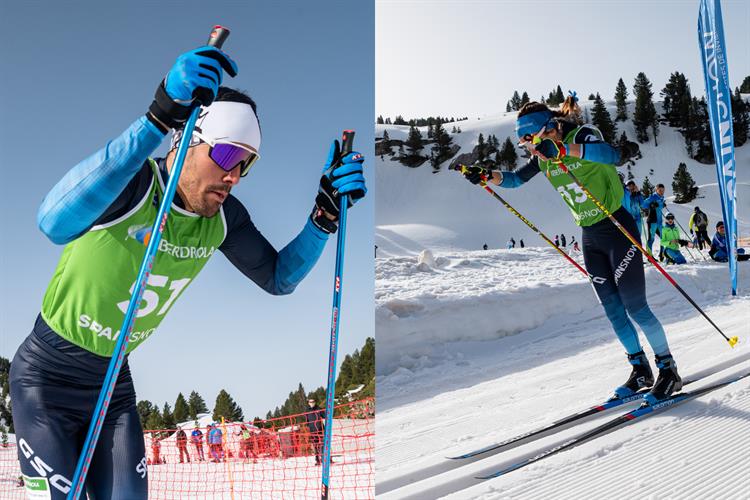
<point>88,295</point>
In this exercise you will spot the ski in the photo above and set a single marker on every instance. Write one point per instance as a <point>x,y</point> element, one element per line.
<point>616,422</point>
<point>559,425</point>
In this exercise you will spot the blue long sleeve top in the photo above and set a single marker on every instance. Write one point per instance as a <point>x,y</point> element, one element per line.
<point>110,182</point>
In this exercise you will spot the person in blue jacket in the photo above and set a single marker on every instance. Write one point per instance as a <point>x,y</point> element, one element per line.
<point>718,251</point>
<point>654,205</point>
<point>632,201</point>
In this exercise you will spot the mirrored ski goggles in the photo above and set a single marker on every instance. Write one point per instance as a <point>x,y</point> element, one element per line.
<point>229,155</point>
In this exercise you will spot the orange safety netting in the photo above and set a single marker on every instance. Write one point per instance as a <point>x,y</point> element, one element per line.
<point>265,459</point>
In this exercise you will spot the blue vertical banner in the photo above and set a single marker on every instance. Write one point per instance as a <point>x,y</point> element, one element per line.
<point>718,95</point>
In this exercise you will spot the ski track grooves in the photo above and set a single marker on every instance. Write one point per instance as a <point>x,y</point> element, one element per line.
<point>695,419</point>
<point>631,455</point>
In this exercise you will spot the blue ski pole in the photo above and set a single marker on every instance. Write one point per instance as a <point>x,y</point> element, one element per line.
<point>347,140</point>
<point>216,39</point>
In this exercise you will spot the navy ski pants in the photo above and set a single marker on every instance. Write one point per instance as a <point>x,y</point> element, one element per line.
<point>54,386</point>
<point>616,267</point>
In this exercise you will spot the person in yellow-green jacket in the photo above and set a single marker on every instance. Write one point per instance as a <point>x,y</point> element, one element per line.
<point>612,261</point>
<point>671,241</point>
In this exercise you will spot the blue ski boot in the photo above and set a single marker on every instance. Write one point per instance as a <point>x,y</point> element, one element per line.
<point>640,378</point>
<point>667,383</point>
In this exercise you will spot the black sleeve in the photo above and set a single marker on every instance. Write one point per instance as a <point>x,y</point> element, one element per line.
<point>246,248</point>
<point>130,196</point>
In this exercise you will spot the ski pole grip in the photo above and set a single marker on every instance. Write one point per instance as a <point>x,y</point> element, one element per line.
<point>347,142</point>
<point>218,36</point>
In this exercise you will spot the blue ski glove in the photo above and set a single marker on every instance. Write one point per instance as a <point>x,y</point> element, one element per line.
<point>551,150</point>
<point>194,79</point>
<point>341,176</point>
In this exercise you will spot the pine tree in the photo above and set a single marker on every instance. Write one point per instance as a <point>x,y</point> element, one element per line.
<point>414,141</point>
<point>481,147</point>
<point>227,408</point>
<point>524,99</point>
<point>507,156</point>
<point>623,139</point>
<point>442,147</point>
<point>603,121</point>
<point>380,120</point>
<point>508,109</point>
<point>386,137</point>
<point>647,187</point>
<point>181,409</point>
<point>154,422</point>
<point>745,87</point>
<point>676,100</point>
<point>621,96</point>
<point>196,405</point>
<point>559,96</point>
<point>168,417</point>
<point>740,119</point>
<point>645,112</point>
<point>683,185</point>
<point>515,101</point>
<point>399,120</point>
<point>144,409</point>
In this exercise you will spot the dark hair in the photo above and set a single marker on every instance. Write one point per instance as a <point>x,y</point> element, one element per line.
<point>569,111</point>
<point>660,185</point>
<point>629,183</point>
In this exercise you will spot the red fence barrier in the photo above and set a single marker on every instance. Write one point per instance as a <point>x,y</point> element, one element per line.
<point>273,459</point>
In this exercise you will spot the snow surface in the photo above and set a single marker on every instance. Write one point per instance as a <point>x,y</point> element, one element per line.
<point>475,347</point>
<point>488,345</point>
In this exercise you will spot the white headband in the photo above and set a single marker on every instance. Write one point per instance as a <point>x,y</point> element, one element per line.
<point>226,122</point>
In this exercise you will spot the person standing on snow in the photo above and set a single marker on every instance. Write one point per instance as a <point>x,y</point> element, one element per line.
<point>315,418</point>
<point>671,241</point>
<point>700,220</point>
<point>215,437</point>
<point>557,241</point>
<point>103,210</point>
<point>196,437</point>
<point>520,242</point>
<point>558,136</point>
<point>563,241</point>
<point>632,200</point>
<point>181,439</point>
<point>654,205</point>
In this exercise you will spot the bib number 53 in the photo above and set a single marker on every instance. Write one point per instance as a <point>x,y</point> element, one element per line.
<point>151,299</point>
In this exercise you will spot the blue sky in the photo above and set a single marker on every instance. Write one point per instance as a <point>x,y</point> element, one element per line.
<point>465,58</point>
<point>81,72</point>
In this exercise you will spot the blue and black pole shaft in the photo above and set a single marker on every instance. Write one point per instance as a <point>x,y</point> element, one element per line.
<point>347,140</point>
<point>218,35</point>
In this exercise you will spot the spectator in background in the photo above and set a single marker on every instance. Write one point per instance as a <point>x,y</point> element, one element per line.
<point>563,241</point>
<point>246,443</point>
<point>576,248</point>
<point>315,417</point>
<point>181,439</point>
<point>215,436</point>
<point>511,243</point>
<point>485,247</point>
<point>653,205</point>
<point>557,241</point>
<point>632,200</point>
<point>700,221</point>
<point>718,251</point>
<point>671,242</point>
<point>196,437</point>
<point>521,243</point>
<point>155,449</point>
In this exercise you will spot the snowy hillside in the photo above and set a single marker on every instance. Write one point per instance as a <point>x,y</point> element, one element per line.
<point>418,209</point>
<point>484,345</point>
